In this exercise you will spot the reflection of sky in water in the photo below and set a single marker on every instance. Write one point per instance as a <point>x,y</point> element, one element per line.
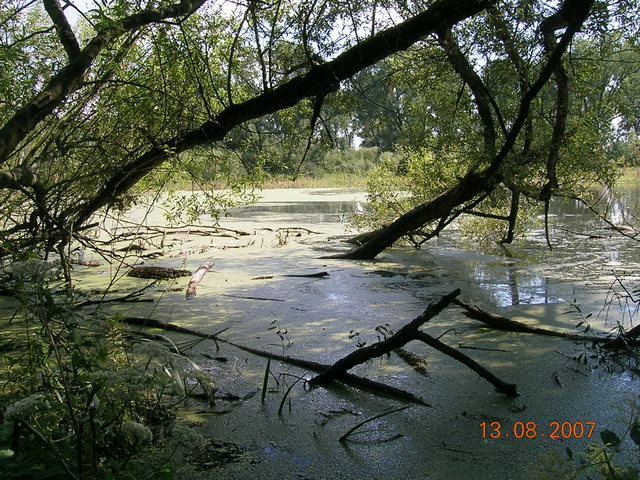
<point>585,253</point>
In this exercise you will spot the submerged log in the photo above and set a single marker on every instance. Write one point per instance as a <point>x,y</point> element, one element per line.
<point>503,323</point>
<point>196,278</point>
<point>157,273</point>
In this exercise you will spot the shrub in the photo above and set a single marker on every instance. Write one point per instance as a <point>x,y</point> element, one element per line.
<point>79,399</point>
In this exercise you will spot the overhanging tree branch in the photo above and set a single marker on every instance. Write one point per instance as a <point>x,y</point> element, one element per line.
<point>475,183</point>
<point>69,78</point>
<point>318,81</point>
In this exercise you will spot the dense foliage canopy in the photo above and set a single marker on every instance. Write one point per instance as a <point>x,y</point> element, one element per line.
<point>482,102</point>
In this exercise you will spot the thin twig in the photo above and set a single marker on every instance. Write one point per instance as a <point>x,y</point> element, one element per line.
<point>383,414</point>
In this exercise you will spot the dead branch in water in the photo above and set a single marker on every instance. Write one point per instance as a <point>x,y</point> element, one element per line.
<point>347,378</point>
<point>196,278</point>
<point>301,275</point>
<point>403,336</point>
<point>339,370</point>
<point>503,323</point>
<point>502,386</point>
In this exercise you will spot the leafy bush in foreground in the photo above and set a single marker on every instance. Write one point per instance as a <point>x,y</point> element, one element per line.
<point>78,398</point>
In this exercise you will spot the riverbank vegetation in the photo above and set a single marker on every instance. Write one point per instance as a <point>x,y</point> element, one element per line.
<point>453,109</point>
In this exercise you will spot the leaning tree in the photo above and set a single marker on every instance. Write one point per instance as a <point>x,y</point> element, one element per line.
<point>98,100</point>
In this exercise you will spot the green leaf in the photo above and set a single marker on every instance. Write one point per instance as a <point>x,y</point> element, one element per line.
<point>609,438</point>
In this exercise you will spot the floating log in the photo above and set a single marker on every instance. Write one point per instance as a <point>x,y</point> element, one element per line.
<point>503,323</point>
<point>196,278</point>
<point>157,272</point>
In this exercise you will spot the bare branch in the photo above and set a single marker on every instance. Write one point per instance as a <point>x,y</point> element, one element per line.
<point>67,37</point>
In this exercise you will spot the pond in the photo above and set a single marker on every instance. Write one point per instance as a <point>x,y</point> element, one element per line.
<point>294,434</point>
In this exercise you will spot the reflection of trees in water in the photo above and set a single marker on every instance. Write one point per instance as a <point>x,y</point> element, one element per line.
<point>515,289</point>
<point>536,290</point>
<point>622,205</point>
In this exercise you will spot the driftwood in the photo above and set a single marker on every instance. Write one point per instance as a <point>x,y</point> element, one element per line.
<point>302,275</point>
<point>503,323</point>
<point>157,272</point>
<point>406,334</point>
<point>196,278</point>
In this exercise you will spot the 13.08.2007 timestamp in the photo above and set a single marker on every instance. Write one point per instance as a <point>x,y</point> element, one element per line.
<point>496,429</point>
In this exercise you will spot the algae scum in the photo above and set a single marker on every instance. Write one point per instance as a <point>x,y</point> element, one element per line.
<point>255,296</point>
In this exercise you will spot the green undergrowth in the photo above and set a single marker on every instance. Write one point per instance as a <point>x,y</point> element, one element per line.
<point>81,398</point>
<point>609,456</point>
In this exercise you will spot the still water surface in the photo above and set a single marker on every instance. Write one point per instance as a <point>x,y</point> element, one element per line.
<point>249,296</point>
<point>324,320</point>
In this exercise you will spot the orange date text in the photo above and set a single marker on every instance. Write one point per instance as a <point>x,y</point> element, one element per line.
<point>497,429</point>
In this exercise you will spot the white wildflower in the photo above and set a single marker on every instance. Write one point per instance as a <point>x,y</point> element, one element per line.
<point>153,350</point>
<point>35,271</point>
<point>205,380</point>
